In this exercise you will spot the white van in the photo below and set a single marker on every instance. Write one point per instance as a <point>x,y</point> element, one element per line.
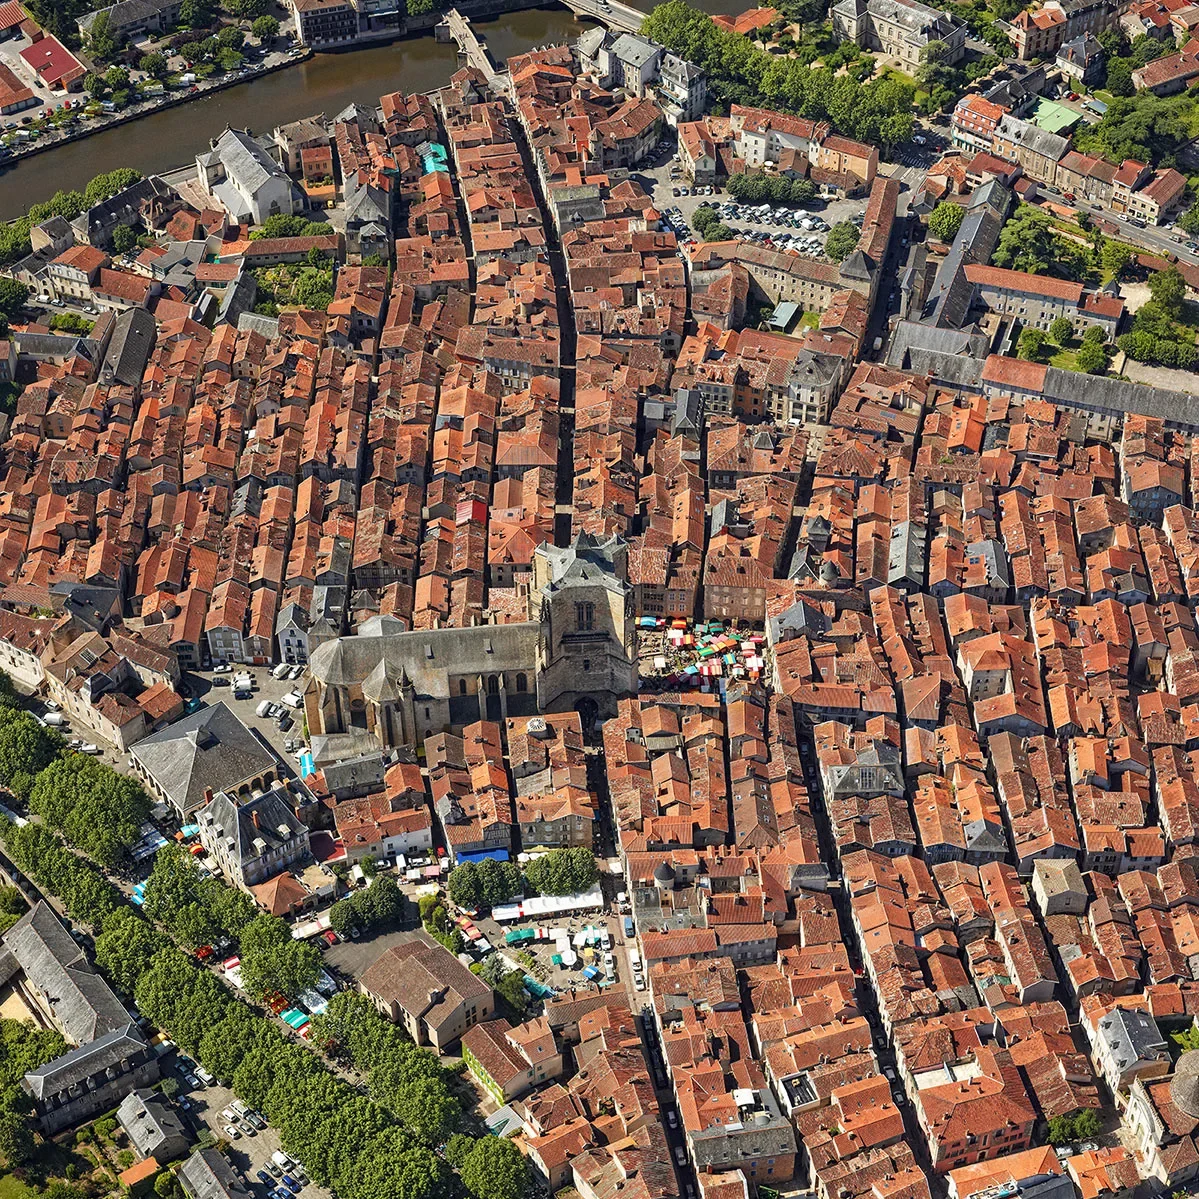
<point>263,709</point>
<point>280,671</point>
<point>293,699</point>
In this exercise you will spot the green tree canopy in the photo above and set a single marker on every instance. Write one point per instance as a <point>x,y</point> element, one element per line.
<point>1061,330</point>
<point>1169,290</point>
<point>841,241</point>
<point>1027,242</point>
<point>563,872</point>
<point>946,220</point>
<point>126,947</point>
<point>1116,258</point>
<point>94,807</point>
<point>273,960</point>
<point>265,27</point>
<point>154,64</point>
<point>494,1168</point>
<point>1032,345</point>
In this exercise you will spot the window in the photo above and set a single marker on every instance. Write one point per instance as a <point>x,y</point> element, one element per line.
<point>522,683</point>
<point>461,686</point>
<point>586,663</point>
<point>584,617</point>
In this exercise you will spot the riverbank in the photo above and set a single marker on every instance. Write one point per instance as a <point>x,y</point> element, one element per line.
<point>323,82</point>
<point>192,95</point>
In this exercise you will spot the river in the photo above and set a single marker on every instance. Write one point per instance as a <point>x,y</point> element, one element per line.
<point>324,83</point>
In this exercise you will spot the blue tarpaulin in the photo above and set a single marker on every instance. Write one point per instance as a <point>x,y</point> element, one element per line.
<point>478,855</point>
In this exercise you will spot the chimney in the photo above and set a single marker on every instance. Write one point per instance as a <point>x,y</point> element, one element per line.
<point>208,795</point>
<point>254,817</point>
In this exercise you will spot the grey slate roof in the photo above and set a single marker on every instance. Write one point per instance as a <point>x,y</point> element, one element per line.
<point>129,349</point>
<point>424,656</point>
<point>949,300</point>
<point>125,207</point>
<point>1132,1036</point>
<point>244,159</point>
<point>268,817</point>
<point>1033,137</point>
<point>207,1175</point>
<point>210,750</point>
<point>635,51</point>
<point>154,1125</point>
<point>106,1052</point>
<point>56,968</point>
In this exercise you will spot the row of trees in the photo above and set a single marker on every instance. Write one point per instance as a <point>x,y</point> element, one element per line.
<point>282,224</point>
<point>488,883</point>
<point>23,1047</point>
<point>771,189</point>
<point>14,237</point>
<point>563,872</point>
<point>484,884</point>
<point>1158,334</point>
<point>380,904</point>
<point>878,111</point>
<point>194,910</point>
<point>708,225</point>
<point>86,894</point>
<point>96,809</point>
<point>348,1142</point>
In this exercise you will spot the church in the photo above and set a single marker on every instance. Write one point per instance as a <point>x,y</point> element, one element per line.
<point>577,650</point>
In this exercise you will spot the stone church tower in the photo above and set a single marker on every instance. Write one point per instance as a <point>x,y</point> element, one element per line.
<point>587,652</point>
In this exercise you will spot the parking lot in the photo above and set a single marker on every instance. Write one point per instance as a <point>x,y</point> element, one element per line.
<point>661,176</point>
<point>10,56</point>
<point>210,688</point>
<point>250,1151</point>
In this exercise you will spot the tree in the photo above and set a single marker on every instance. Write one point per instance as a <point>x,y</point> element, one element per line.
<point>126,947</point>
<point>1168,289</point>
<point>343,917</point>
<point>100,39</point>
<point>1032,345</point>
<point>427,1108</point>
<point>195,14</point>
<point>563,872</point>
<point>224,1046</point>
<point>841,240</point>
<point>265,27</point>
<point>273,960</point>
<point>718,232</point>
<point>12,299</point>
<point>1061,1131</point>
<point>1027,242</point>
<point>946,220</point>
<point>1119,77</point>
<point>229,60</point>
<point>465,886</point>
<point>123,239</point>
<point>154,64</point>
<point>94,85</point>
<point>231,37</point>
<point>117,78</point>
<point>95,808</point>
<point>494,1168</point>
<point>1115,258</point>
<point>1087,1124</point>
<point>246,10</point>
<point>1091,358</point>
<point>1062,330</point>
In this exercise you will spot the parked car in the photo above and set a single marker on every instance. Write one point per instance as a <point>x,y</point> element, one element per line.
<point>231,1132</point>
